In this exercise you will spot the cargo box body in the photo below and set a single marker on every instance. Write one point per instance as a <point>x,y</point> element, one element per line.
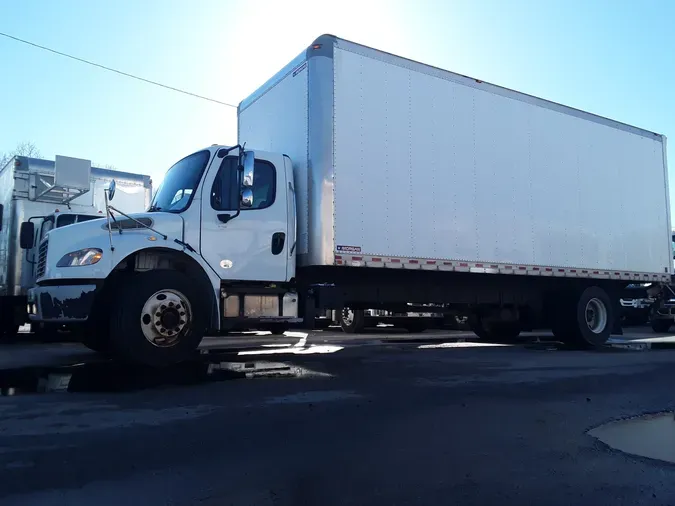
<point>22,180</point>
<point>402,165</point>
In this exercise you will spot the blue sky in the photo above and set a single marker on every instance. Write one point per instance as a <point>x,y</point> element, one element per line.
<point>613,58</point>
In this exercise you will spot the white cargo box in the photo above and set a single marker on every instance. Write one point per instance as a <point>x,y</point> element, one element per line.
<point>402,165</point>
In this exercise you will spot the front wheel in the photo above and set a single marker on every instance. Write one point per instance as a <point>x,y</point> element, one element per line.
<point>159,318</point>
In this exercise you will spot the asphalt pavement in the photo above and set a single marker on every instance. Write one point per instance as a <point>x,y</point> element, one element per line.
<point>383,418</point>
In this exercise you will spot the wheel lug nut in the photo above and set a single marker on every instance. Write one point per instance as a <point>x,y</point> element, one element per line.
<point>163,306</point>
<point>170,304</point>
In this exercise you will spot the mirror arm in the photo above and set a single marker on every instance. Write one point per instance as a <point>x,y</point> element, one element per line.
<point>227,217</point>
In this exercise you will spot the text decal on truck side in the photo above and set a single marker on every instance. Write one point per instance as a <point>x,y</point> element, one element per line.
<point>349,249</point>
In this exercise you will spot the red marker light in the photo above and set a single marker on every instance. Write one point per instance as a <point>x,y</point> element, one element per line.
<point>316,46</point>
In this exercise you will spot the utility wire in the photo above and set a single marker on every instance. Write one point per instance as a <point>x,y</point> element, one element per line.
<point>116,71</point>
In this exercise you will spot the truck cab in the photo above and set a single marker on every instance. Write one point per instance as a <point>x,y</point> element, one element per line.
<point>38,195</point>
<point>37,228</point>
<point>214,251</point>
<point>240,234</point>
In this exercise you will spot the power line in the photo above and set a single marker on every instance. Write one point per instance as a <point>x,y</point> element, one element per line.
<point>115,70</point>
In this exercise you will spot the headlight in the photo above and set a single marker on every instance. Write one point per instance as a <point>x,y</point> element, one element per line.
<point>87,256</point>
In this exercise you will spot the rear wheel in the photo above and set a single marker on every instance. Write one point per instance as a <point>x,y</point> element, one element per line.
<point>584,319</point>
<point>158,319</point>
<point>351,321</point>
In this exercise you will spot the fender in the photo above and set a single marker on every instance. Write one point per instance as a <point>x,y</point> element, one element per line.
<point>148,249</point>
<point>168,256</point>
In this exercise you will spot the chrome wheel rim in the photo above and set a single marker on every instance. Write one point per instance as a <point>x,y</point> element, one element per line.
<point>596,315</point>
<point>165,317</point>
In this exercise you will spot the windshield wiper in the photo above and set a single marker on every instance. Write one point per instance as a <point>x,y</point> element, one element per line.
<point>154,208</point>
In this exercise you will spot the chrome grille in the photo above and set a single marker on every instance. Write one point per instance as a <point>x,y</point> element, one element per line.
<point>42,260</point>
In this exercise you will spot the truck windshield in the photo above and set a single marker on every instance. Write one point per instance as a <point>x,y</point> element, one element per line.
<point>175,193</point>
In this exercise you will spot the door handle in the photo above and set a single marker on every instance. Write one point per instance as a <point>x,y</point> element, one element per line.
<point>278,240</point>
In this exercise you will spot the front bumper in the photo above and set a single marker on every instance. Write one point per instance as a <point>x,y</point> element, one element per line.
<point>637,303</point>
<point>61,303</point>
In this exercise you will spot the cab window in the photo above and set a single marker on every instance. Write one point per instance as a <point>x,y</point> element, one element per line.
<point>225,190</point>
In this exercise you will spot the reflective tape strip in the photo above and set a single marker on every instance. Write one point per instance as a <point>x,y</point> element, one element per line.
<point>481,267</point>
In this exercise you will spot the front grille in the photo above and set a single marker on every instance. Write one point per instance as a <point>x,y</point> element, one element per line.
<point>42,260</point>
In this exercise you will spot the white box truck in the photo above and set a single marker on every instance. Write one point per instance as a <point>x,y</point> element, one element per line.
<point>44,195</point>
<point>366,180</point>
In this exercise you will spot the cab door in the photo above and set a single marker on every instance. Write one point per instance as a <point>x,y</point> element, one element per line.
<point>253,245</point>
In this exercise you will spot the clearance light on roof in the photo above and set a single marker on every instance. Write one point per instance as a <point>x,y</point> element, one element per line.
<point>317,46</point>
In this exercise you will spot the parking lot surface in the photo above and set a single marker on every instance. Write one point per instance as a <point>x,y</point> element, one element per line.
<point>381,418</point>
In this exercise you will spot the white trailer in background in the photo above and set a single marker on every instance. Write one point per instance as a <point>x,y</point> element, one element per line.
<point>366,180</point>
<point>45,195</point>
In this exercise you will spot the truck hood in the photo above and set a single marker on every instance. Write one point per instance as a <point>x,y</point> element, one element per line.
<point>94,234</point>
<point>165,223</point>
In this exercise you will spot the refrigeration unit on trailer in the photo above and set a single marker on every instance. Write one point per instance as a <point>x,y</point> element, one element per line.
<point>38,195</point>
<point>368,181</point>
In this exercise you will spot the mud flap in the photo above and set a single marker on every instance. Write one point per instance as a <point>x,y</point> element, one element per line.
<point>617,329</point>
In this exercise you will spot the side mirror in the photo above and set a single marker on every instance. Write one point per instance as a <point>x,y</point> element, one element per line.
<point>249,164</point>
<point>27,235</point>
<point>111,190</point>
<point>247,197</point>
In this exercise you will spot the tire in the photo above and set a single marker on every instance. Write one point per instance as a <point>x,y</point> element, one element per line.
<point>495,332</point>
<point>660,325</point>
<point>96,342</point>
<point>572,324</point>
<point>158,318</point>
<point>352,321</point>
